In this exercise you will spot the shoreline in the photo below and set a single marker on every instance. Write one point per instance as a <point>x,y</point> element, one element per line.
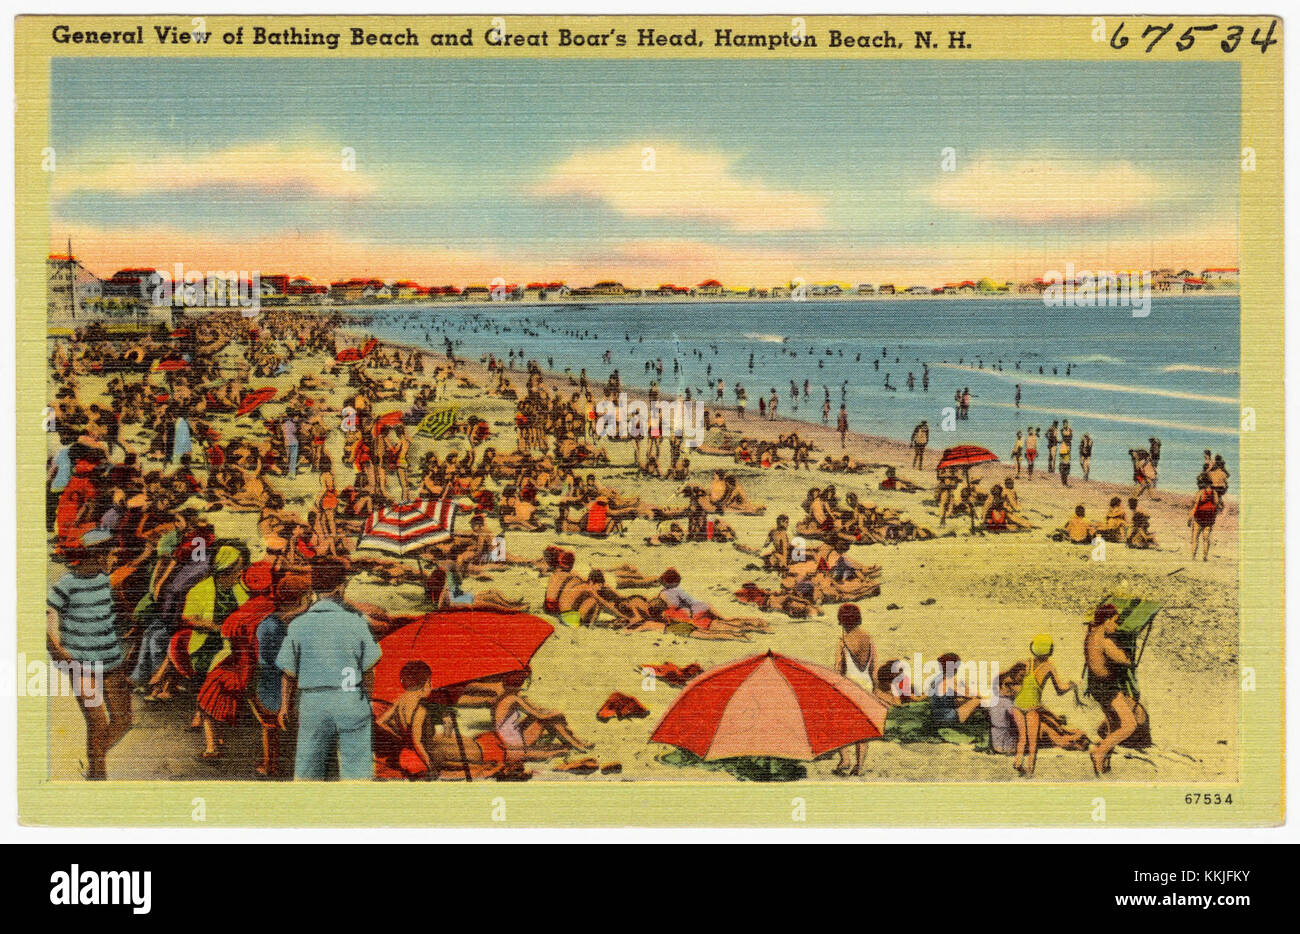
<point>874,449</point>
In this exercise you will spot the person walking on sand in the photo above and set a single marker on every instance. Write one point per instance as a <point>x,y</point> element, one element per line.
<point>1039,669</point>
<point>1063,462</point>
<point>842,426</point>
<point>920,438</point>
<point>1112,682</point>
<point>1018,450</point>
<point>1085,455</point>
<point>1053,442</point>
<point>1031,451</point>
<point>1205,509</point>
<point>857,662</point>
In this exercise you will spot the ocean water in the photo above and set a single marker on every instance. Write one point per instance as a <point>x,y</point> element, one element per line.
<point>1173,374</point>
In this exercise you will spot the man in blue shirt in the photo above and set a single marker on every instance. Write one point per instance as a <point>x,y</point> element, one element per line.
<point>327,661</point>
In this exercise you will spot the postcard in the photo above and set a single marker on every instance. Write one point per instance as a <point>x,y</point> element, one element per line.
<point>658,421</point>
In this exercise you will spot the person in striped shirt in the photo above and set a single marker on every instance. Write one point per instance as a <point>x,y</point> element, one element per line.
<point>81,632</point>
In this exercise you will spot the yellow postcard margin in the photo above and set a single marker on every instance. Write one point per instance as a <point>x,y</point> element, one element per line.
<point>1259,793</point>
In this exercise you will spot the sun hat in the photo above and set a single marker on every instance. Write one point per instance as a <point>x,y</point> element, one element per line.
<point>1042,645</point>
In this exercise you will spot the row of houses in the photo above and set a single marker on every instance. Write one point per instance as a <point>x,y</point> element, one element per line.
<point>72,289</point>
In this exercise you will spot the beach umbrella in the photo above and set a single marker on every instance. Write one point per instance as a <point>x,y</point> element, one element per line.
<point>408,527</point>
<point>965,456</point>
<point>459,647</point>
<point>368,346</point>
<point>770,705</point>
<point>387,420</point>
<point>173,365</point>
<point>255,398</point>
<point>348,355</point>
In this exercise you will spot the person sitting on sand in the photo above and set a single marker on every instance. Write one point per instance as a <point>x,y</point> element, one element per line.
<point>725,492</point>
<point>1078,529</point>
<point>894,482</point>
<point>995,513</point>
<point>532,734</point>
<point>1114,528</point>
<point>407,720</point>
<point>516,513</point>
<point>776,553</point>
<point>1139,535</point>
<point>1011,500</point>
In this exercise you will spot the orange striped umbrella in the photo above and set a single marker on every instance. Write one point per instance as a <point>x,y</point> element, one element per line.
<point>770,705</point>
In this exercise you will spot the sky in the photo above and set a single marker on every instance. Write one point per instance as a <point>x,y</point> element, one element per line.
<point>752,172</point>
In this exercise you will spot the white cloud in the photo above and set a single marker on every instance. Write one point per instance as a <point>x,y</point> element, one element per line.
<point>263,166</point>
<point>1043,190</point>
<point>667,180</point>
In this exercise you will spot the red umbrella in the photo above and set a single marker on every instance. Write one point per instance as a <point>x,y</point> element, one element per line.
<point>255,398</point>
<point>387,420</point>
<point>180,333</point>
<point>965,456</point>
<point>770,705</point>
<point>368,346</point>
<point>459,646</point>
<point>348,355</point>
<point>171,366</point>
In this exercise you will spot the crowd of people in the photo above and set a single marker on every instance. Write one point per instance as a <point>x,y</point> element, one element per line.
<point>207,529</point>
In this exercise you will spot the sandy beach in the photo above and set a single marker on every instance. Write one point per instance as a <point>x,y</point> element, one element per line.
<point>979,595</point>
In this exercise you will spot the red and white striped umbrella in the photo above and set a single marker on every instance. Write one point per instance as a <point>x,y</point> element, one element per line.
<point>770,705</point>
<point>409,527</point>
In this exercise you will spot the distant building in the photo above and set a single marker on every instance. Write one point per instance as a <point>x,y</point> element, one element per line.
<point>132,286</point>
<point>1223,275</point>
<point>70,288</point>
<point>709,287</point>
<point>865,288</point>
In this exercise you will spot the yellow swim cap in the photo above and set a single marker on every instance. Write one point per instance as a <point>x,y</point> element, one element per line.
<point>227,555</point>
<point>1041,646</point>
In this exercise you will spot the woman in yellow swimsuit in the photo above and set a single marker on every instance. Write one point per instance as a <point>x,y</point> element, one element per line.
<point>1029,700</point>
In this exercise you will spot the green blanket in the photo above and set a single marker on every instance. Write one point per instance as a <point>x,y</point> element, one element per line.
<point>914,723</point>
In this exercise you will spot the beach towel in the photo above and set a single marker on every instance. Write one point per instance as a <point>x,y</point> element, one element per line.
<point>915,723</point>
<point>744,768</point>
<point>623,707</point>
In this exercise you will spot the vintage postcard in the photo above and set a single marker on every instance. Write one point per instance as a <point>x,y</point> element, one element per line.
<point>663,421</point>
